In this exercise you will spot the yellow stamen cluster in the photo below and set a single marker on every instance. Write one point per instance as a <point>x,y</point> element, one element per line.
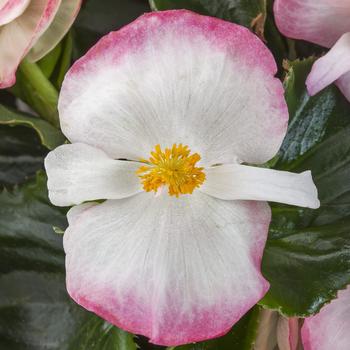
<point>174,167</point>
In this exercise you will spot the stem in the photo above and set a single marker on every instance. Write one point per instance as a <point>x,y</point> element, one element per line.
<point>37,91</point>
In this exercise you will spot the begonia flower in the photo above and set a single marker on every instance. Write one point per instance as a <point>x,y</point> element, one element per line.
<point>329,329</point>
<point>182,265</point>
<point>323,22</point>
<point>33,28</point>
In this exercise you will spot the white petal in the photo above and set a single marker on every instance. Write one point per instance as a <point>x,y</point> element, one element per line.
<point>63,20</point>
<point>78,173</point>
<point>73,215</point>
<point>330,67</point>
<point>11,9</point>
<point>174,269</point>
<point>234,181</point>
<point>199,80</point>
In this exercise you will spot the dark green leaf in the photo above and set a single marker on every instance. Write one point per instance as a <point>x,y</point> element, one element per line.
<point>21,154</point>
<point>97,18</point>
<point>193,5</point>
<point>309,116</point>
<point>238,11</point>
<point>49,135</point>
<point>307,256</point>
<point>35,310</point>
<point>22,138</point>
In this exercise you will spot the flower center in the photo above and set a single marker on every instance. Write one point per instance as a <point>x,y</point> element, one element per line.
<point>174,167</point>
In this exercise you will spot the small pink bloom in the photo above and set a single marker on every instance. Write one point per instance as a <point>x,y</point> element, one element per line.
<point>31,27</point>
<point>177,270</point>
<point>324,22</point>
<point>329,329</point>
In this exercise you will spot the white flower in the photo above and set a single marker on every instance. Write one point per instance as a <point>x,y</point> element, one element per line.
<point>182,267</point>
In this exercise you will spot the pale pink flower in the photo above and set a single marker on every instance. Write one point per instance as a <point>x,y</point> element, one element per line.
<point>324,22</point>
<point>32,28</point>
<point>329,329</point>
<point>183,269</point>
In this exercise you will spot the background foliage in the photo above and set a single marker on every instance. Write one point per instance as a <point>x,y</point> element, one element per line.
<point>307,257</point>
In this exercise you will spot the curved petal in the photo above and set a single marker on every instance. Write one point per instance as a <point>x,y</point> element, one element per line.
<point>234,181</point>
<point>343,84</point>
<point>78,173</point>
<point>17,37</point>
<point>200,81</point>
<point>177,270</point>
<point>330,67</point>
<point>321,22</point>
<point>287,333</point>
<point>329,329</point>
<point>63,20</point>
<point>11,9</point>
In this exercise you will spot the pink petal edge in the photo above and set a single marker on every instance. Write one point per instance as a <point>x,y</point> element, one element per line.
<point>235,40</point>
<point>135,317</point>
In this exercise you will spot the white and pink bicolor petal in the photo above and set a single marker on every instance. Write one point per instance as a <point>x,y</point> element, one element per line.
<point>322,22</point>
<point>60,25</point>
<point>329,329</point>
<point>177,270</point>
<point>11,9</point>
<point>199,81</point>
<point>18,36</point>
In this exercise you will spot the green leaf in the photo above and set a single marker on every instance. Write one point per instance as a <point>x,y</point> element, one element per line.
<point>96,334</point>
<point>97,18</point>
<point>49,136</point>
<point>193,5</point>
<point>238,11</point>
<point>307,256</point>
<point>241,337</point>
<point>22,138</point>
<point>309,116</point>
<point>35,310</point>
<point>21,155</point>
